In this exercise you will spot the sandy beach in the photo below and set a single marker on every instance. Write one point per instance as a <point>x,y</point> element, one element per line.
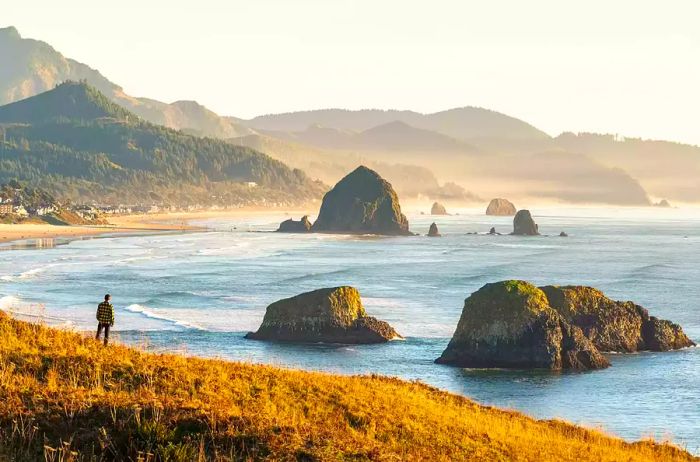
<point>177,221</point>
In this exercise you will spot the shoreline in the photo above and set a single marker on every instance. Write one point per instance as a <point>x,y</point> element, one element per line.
<point>125,225</point>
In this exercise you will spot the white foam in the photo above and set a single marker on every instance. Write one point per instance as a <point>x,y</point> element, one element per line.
<point>162,315</point>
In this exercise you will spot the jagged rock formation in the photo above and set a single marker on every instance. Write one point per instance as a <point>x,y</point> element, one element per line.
<point>291,226</point>
<point>514,324</point>
<point>563,234</point>
<point>500,207</point>
<point>510,324</point>
<point>333,315</point>
<point>492,231</point>
<point>433,231</point>
<point>663,203</point>
<point>524,225</point>
<point>612,325</point>
<point>362,202</point>
<point>438,209</point>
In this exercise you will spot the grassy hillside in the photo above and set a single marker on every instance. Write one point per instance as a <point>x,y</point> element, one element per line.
<point>62,393</point>
<point>77,144</point>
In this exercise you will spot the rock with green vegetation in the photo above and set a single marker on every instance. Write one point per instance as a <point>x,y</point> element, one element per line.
<point>510,324</point>
<point>292,226</point>
<point>524,225</point>
<point>438,209</point>
<point>501,207</point>
<point>612,325</point>
<point>333,315</point>
<point>363,203</point>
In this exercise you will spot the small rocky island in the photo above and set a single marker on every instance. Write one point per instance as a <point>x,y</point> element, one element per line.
<point>500,207</point>
<point>291,226</point>
<point>363,203</point>
<point>514,324</point>
<point>438,209</point>
<point>524,225</point>
<point>333,315</point>
<point>433,231</point>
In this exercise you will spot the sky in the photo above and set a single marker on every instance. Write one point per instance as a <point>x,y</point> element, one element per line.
<point>623,67</point>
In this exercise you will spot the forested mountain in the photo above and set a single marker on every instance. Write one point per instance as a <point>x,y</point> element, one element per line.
<point>76,143</point>
<point>30,67</point>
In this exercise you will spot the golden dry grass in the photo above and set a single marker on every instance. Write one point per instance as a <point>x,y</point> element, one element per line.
<point>65,397</point>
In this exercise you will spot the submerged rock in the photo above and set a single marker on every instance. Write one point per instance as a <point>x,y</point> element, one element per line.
<point>524,225</point>
<point>612,325</point>
<point>438,209</point>
<point>362,202</point>
<point>511,325</point>
<point>500,207</point>
<point>291,226</point>
<point>563,234</point>
<point>493,231</point>
<point>433,231</point>
<point>332,315</point>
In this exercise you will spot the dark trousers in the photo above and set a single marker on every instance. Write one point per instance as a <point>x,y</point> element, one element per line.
<point>105,326</point>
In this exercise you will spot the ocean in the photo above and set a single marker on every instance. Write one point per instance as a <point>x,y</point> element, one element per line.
<point>198,293</point>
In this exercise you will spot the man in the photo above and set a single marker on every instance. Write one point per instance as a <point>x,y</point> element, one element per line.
<point>105,318</point>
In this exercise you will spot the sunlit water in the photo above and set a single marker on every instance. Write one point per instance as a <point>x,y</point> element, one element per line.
<point>199,293</point>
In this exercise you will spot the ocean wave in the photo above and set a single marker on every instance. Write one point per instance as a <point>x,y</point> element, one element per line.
<point>28,274</point>
<point>154,313</point>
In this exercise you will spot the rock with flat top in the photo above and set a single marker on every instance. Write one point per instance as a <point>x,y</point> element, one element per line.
<point>510,324</point>
<point>291,226</point>
<point>332,315</point>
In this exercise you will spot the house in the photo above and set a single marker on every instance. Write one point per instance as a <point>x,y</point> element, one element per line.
<point>5,208</point>
<point>20,211</point>
<point>251,184</point>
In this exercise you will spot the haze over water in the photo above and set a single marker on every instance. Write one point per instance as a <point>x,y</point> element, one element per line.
<point>200,292</point>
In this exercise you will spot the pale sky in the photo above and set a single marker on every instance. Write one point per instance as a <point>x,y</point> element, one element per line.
<point>626,67</point>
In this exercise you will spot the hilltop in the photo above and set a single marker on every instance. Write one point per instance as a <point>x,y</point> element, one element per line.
<point>31,67</point>
<point>77,144</point>
<point>62,392</point>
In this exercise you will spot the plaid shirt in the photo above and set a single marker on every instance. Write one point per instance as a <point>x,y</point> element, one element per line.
<point>105,313</point>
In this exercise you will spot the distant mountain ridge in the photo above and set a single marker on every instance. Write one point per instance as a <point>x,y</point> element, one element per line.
<point>460,123</point>
<point>31,67</point>
<point>77,144</point>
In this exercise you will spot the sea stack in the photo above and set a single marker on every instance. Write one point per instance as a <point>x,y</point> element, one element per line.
<point>524,225</point>
<point>500,207</point>
<point>433,231</point>
<point>615,326</point>
<point>332,315</point>
<point>514,324</point>
<point>291,226</point>
<point>510,324</point>
<point>438,209</point>
<point>363,203</point>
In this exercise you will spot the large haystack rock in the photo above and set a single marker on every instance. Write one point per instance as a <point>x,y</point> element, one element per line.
<point>362,202</point>
<point>433,231</point>
<point>333,315</point>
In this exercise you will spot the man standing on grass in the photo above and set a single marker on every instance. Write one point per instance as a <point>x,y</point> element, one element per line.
<point>105,318</point>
